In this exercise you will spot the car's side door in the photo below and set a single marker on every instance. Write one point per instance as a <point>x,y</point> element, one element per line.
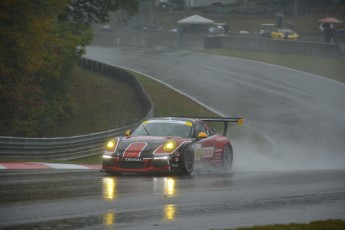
<point>204,147</point>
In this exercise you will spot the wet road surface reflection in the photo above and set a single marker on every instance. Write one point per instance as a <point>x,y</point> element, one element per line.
<point>169,211</point>
<point>205,200</point>
<point>109,188</point>
<point>109,218</point>
<point>161,186</point>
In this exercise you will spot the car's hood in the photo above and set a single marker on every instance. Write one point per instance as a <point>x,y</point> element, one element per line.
<point>149,143</point>
<point>144,146</point>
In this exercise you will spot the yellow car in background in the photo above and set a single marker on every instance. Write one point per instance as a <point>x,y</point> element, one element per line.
<point>284,34</point>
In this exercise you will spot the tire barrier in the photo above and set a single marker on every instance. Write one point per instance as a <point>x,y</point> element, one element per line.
<point>66,148</point>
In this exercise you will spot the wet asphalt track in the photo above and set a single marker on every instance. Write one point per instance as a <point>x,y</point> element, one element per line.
<point>301,117</point>
<point>51,199</point>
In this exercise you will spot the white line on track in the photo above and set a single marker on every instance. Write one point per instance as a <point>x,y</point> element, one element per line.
<point>64,166</point>
<point>42,165</point>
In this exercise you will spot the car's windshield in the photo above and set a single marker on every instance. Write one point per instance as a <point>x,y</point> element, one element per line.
<point>286,31</point>
<point>164,128</point>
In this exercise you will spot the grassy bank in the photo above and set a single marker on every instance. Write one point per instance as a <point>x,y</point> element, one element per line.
<point>332,68</point>
<point>315,225</point>
<point>101,103</point>
<point>168,102</point>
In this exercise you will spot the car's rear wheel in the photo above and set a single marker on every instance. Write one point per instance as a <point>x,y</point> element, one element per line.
<point>227,157</point>
<point>187,161</point>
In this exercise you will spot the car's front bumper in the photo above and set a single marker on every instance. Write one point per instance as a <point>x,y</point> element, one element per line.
<point>139,165</point>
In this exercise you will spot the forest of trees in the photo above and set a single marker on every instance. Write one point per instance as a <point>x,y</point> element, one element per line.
<point>40,42</point>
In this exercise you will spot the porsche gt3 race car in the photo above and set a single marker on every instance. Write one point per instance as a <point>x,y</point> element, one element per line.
<point>169,144</point>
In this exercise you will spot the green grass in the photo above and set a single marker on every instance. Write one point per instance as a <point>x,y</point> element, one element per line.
<point>168,102</point>
<point>333,68</point>
<point>101,104</point>
<point>315,225</point>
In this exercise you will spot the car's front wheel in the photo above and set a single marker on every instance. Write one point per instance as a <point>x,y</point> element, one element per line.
<point>187,161</point>
<point>227,157</point>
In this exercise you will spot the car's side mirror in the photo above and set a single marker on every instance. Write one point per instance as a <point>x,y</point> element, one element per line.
<point>128,133</point>
<point>202,135</point>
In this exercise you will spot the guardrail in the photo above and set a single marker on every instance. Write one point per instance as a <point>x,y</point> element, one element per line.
<point>65,148</point>
<point>271,45</point>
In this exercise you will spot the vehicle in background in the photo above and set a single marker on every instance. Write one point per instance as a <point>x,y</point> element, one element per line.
<point>208,3</point>
<point>219,29</point>
<point>269,30</point>
<point>266,30</point>
<point>216,4</point>
<point>153,28</point>
<point>287,34</point>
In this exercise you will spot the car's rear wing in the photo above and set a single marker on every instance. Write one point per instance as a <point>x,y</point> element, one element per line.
<point>226,121</point>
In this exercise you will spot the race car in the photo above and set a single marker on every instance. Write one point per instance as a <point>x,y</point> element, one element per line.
<point>169,144</point>
<point>284,34</point>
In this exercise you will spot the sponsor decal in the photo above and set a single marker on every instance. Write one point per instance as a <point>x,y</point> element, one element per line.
<point>133,159</point>
<point>218,150</point>
<point>134,150</point>
<point>217,153</point>
<point>174,165</point>
<point>188,123</point>
<point>162,154</point>
<point>220,139</point>
<point>201,152</point>
<point>217,158</point>
<point>143,138</point>
<point>207,151</point>
<point>197,151</point>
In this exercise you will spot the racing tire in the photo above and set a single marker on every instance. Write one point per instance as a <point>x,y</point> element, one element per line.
<point>227,158</point>
<point>187,161</point>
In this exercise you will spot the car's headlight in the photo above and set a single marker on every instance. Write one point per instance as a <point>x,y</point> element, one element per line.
<point>169,146</point>
<point>110,145</point>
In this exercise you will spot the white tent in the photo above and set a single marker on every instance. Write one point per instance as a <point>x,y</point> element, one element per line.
<point>195,20</point>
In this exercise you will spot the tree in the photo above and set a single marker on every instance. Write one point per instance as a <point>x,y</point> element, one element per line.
<point>96,11</point>
<point>40,41</point>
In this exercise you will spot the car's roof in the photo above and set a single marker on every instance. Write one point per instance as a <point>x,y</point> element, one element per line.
<point>286,30</point>
<point>176,119</point>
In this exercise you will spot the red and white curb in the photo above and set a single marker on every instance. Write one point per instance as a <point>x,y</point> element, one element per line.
<point>39,165</point>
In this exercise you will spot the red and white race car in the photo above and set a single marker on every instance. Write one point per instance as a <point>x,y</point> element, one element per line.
<point>169,144</point>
